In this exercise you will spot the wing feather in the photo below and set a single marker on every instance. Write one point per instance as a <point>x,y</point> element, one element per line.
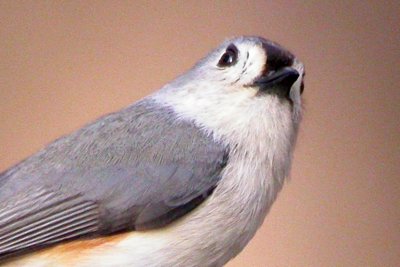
<point>140,168</point>
<point>44,217</point>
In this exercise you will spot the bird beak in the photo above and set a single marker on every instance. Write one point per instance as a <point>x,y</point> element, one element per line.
<point>283,78</point>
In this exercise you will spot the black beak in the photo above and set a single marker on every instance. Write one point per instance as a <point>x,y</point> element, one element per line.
<point>278,82</point>
<point>283,78</point>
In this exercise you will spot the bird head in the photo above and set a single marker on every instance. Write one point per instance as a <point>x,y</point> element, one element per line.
<point>248,85</point>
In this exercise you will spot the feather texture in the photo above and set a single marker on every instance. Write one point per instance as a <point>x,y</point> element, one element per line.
<point>62,193</point>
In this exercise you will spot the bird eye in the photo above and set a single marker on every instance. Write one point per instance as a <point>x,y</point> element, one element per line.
<point>229,58</point>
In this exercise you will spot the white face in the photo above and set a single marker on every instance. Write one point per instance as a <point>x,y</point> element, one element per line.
<point>220,93</point>
<point>250,64</point>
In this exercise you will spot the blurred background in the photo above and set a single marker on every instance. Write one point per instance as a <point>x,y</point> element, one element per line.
<point>65,63</point>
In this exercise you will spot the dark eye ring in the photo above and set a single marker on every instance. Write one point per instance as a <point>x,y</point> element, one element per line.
<point>229,58</point>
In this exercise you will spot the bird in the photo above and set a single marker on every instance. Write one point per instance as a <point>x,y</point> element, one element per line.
<point>183,177</point>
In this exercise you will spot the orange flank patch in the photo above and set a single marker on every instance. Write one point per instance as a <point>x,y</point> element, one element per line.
<point>66,254</point>
<point>87,244</point>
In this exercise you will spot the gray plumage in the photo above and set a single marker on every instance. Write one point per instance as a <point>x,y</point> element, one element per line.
<point>140,168</point>
<point>196,165</point>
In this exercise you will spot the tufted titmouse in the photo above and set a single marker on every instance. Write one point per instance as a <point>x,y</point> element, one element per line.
<point>183,177</point>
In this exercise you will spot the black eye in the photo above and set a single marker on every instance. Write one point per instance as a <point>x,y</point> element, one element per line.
<point>229,58</point>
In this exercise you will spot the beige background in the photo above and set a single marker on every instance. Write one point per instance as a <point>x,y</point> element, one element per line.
<point>64,63</point>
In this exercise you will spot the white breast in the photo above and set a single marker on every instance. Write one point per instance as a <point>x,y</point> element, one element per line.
<point>220,228</point>
<point>261,138</point>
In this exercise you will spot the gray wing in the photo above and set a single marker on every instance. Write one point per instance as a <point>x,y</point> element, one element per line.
<point>140,168</point>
